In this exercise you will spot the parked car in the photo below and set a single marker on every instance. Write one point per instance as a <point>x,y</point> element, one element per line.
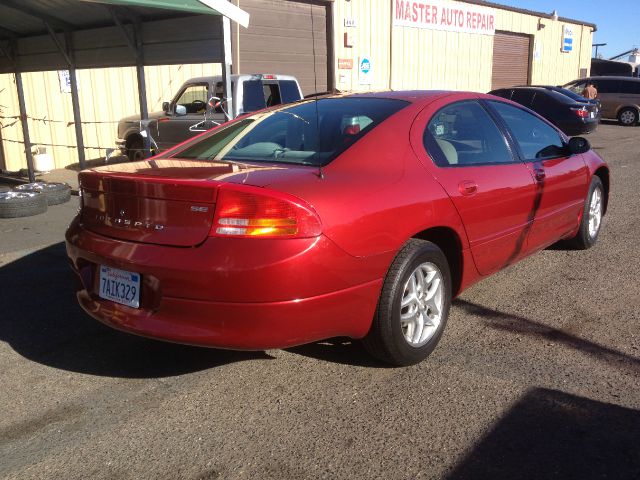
<point>571,94</point>
<point>569,115</point>
<point>619,96</point>
<point>189,113</point>
<point>360,215</point>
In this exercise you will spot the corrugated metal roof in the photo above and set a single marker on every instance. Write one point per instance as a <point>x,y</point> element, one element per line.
<point>102,33</point>
<point>24,18</point>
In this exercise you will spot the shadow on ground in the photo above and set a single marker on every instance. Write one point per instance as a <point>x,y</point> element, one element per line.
<point>342,350</point>
<point>41,320</point>
<point>513,323</point>
<point>554,435</point>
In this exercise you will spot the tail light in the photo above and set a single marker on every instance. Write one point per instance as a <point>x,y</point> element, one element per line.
<point>581,112</point>
<point>245,211</point>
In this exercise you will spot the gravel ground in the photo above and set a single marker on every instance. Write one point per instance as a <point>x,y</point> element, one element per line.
<point>537,376</point>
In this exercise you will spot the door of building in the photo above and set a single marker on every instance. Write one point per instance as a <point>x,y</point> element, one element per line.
<point>280,41</point>
<point>511,60</point>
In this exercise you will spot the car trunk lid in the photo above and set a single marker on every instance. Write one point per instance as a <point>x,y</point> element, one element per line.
<point>162,201</point>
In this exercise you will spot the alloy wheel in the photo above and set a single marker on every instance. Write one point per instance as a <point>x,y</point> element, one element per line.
<point>421,306</point>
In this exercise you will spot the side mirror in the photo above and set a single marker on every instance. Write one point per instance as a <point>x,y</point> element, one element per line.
<point>579,145</point>
<point>165,107</point>
<point>181,110</point>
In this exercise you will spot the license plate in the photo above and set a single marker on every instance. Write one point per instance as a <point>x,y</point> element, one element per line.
<point>592,115</point>
<point>119,286</point>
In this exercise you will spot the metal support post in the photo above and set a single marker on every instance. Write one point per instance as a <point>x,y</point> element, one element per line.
<point>226,65</point>
<point>75,103</point>
<point>3,162</point>
<point>25,126</point>
<point>142,92</point>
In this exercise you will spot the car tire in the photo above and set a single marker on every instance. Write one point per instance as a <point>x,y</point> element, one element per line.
<point>628,117</point>
<point>22,204</point>
<point>591,219</point>
<point>418,281</point>
<point>55,192</point>
<point>135,150</point>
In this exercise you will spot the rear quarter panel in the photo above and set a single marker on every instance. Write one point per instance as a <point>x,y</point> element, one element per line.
<point>377,194</point>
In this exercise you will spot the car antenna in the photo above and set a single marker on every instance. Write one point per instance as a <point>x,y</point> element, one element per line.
<point>315,87</point>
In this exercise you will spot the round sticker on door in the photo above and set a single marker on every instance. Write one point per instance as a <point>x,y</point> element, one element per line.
<point>365,70</point>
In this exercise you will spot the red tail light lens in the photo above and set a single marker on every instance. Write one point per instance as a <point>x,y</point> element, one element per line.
<point>581,112</point>
<point>245,211</point>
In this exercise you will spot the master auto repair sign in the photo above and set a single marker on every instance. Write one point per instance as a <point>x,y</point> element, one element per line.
<point>443,15</point>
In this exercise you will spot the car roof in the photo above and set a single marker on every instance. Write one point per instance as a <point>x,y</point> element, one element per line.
<point>218,78</point>
<point>407,95</point>
<point>605,77</point>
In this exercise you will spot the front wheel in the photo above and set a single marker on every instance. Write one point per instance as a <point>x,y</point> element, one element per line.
<point>591,219</point>
<point>413,307</point>
<point>135,150</point>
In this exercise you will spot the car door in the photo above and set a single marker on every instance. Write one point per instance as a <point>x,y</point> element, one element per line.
<point>609,96</point>
<point>561,178</point>
<point>174,128</point>
<point>490,187</point>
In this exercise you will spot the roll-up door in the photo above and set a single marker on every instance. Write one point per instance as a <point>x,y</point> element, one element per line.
<point>510,60</point>
<point>280,40</point>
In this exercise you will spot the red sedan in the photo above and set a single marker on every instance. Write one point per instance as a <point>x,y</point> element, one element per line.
<point>357,215</point>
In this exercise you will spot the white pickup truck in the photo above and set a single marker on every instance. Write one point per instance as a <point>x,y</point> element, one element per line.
<point>190,112</point>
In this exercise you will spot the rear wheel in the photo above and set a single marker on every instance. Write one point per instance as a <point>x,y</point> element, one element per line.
<point>591,220</point>
<point>628,117</point>
<point>413,307</point>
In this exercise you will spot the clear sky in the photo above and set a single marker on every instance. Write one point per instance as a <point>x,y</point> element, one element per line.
<point>618,21</point>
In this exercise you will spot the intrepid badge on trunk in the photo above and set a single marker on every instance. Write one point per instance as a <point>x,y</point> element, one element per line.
<point>127,222</point>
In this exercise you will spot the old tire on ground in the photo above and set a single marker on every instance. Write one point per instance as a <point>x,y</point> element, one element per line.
<point>55,192</point>
<point>628,117</point>
<point>22,204</point>
<point>591,219</point>
<point>413,306</point>
<point>135,150</point>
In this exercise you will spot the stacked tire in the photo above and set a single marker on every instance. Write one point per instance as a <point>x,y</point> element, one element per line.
<point>32,198</point>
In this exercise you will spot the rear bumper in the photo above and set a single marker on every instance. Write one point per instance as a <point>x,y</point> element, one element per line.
<point>244,326</point>
<point>249,295</point>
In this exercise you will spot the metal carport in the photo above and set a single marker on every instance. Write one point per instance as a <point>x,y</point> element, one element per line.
<point>39,35</point>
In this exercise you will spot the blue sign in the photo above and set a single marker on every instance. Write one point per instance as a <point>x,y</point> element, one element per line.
<point>567,38</point>
<point>365,65</point>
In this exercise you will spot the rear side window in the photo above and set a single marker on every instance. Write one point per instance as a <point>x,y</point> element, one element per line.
<point>536,139</point>
<point>523,97</point>
<point>630,87</point>
<point>289,91</point>
<point>607,86</point>
<point>464,134</point>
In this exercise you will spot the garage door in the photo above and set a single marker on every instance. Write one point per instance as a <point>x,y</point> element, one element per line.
<point>510,60</point>
<point>279,40</point>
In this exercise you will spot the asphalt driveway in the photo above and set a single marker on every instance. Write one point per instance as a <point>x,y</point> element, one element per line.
<point>537,376</point>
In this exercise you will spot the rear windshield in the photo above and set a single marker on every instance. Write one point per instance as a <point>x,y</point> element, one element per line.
<point>307,133</point>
